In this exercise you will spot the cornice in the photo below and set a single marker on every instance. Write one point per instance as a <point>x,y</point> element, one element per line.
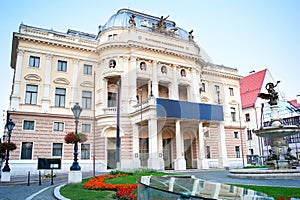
<point>75,44</point>
<point>157,49</point>
<point>221,74</point>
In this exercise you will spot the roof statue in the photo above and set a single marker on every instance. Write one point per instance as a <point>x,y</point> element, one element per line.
<point>191,37</point>
<point>132,21</point>
<point>272,94</point>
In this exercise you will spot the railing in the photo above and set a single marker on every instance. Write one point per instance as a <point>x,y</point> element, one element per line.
<point>110,111</point>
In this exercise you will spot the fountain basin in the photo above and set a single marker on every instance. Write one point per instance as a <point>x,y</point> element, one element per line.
<point>264,173</point>
<point>280,131</point>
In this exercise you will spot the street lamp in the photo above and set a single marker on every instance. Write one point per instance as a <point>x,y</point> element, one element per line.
<point>76,112</point>
<point>9,126</point>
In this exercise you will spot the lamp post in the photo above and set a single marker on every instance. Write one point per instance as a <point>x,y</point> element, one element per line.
<point>76,112</point>
<point>9,126</point>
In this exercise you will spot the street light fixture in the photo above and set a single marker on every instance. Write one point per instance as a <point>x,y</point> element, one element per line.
<point>9,126</point>
<point>76,112</point>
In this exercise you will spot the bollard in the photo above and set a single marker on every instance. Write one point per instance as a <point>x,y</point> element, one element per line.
<point>28,179</point>
<point>40,178</point>
<point>51,176</point>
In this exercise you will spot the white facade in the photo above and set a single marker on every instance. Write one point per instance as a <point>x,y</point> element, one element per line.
<point>154,68</point>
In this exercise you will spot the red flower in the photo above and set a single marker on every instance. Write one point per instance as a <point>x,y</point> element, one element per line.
<point>72,138</point>
<point>7,146</point>
<point>124,191</point>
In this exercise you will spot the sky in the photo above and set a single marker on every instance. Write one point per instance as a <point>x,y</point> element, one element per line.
<point>246,35</point>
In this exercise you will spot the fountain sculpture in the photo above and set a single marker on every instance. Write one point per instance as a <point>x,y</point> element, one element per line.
<point>280,154</point>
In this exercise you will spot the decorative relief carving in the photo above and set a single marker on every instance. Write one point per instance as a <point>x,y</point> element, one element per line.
<point>32,77</point>
<point>61,81</point>
<point>87,84</point>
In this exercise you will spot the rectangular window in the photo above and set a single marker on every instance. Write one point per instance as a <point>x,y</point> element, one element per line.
<point>249,134</point>
<point>60,96</point>
<point>86,128</point>
<point>86,100</point>
<point>87,69</point>
<point>28,125</point>
<point>57,149</point>
<point>26,151</point>
<point>237,151</point>
<point>58,126</point>
<point>203,87</point>
<point>247,116</point>
<point>232,111</point>
<point>31,94</point>
<point>34,61</point>
<point>61,65</point>
<point>236,135</point>
<point>208,152</point>
<point>231,92</point>
<point>112,99</point>
<point>85,151</point>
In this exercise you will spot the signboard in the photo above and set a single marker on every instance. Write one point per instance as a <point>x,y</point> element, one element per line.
<point>49,162</point>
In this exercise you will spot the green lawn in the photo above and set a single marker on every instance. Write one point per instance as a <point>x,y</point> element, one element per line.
<point>77,192</point>
<point>275,192</point>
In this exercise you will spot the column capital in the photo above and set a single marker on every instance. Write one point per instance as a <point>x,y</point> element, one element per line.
<point>20,52</point>
<point>49,56</point>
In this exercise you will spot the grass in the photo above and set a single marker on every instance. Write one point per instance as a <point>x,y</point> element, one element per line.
<point>275,192</point>
<point>77,192</point>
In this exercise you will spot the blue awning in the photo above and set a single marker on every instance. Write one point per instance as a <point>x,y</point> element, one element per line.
<point>188,110</point>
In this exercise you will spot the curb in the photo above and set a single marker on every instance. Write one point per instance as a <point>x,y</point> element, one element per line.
<point>57,193</point>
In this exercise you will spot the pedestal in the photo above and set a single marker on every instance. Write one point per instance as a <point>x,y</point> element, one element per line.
<point>156,163</point>
<point>74,177</point>
<point>5,176</point>
<point>180,164</point>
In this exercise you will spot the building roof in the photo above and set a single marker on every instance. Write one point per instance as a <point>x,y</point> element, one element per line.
<point>144,22</point>
<point>295,104</point>
<point>250,86</point>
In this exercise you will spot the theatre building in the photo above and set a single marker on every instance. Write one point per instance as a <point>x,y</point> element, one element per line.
<point>177,109</point>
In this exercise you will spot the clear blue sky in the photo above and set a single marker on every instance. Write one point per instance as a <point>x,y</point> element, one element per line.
<point>247,35</point>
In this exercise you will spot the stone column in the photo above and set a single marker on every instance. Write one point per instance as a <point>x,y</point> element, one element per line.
<point>125,86</point>
<point>154,161</point>
<point>104,94</point>
<point>154,80</point>
<point>223,161</point>
<point>132,82</point>
<point>174,92</point>
<point>200,161</point>
<point>47,83</point>
<point>195,86</point>
<point>15,98</point>
<point>135,146</point>
<point>180,163</point>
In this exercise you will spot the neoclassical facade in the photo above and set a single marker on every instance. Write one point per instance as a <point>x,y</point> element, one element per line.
<point>177,109</point>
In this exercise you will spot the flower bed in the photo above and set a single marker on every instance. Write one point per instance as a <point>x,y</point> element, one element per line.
<point>124,191</point>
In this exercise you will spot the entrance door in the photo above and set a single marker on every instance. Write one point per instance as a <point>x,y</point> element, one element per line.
<point>167,151</point>
<point>188,153</point>
<point>111,153</point>
<point>144,152</point>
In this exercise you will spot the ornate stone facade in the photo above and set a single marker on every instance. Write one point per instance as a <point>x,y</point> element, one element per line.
<point>54,70</point>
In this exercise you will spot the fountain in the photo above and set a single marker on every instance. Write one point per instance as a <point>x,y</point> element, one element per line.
<point>281,164</point>
<point>280,154</point>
